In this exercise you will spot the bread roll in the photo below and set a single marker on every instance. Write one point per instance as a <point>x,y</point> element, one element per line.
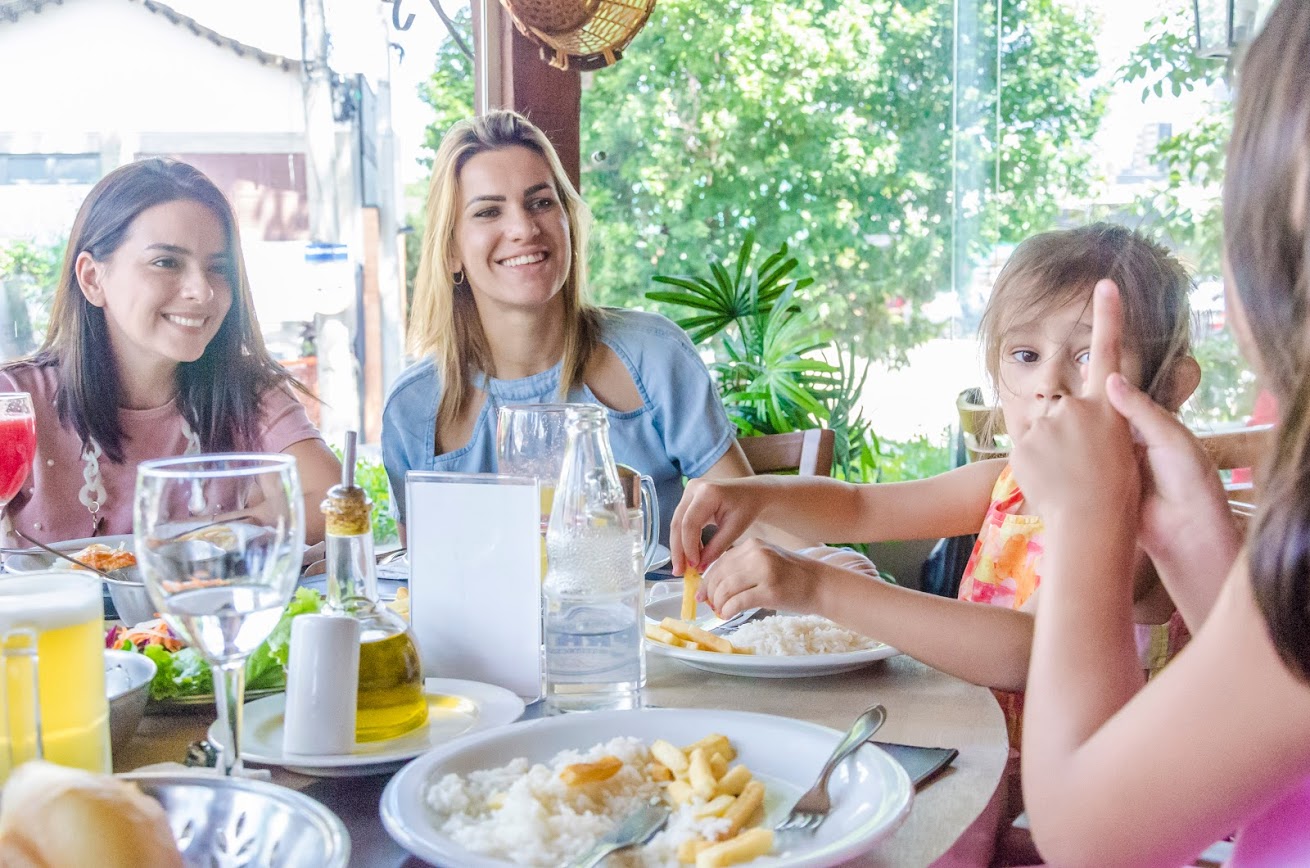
<point>56,817</point>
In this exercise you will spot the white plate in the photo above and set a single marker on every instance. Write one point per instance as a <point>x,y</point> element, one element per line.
<point>42,561</point>
<point>476,707</point>
<point>755,665</point>
<point>871,793</point>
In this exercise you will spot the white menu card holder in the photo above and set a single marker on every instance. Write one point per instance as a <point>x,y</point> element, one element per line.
<point>475,577</point>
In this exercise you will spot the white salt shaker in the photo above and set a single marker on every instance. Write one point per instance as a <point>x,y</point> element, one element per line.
<point>322,683</point>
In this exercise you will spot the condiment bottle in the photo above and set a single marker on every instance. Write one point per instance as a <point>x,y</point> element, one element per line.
<point>390,698</point>
<point>592,593</point>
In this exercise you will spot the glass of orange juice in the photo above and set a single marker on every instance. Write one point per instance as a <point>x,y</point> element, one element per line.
<point>52,672</point>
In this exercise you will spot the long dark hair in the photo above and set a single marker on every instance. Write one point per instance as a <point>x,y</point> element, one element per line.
<point>218,393</point>
<point>1267,240</point>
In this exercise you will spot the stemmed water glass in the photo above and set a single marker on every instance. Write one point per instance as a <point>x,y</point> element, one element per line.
<point>17,443</point>
<point>221,585</point>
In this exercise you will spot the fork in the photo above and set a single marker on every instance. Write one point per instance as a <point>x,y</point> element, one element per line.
<point>636,828</point>
<point>759,613</point>
<point>812,808</point>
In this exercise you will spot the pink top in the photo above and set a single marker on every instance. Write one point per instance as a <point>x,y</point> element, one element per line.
<point>48,508</point>
<point>1277,838</point>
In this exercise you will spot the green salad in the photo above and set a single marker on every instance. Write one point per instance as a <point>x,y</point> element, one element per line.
<point>184,673</point>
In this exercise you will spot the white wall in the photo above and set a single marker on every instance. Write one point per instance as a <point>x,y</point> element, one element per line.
<point>112,66</point>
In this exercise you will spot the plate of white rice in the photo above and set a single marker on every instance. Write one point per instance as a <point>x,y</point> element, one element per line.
<point>783,646</point>
<point>494,799</point>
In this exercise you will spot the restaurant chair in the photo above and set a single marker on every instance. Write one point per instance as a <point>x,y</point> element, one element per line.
<point>1239,449</point>
<point>805,453</point>
<point>980,425</point>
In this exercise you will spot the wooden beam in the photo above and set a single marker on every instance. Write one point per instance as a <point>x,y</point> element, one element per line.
<point>522,81</point>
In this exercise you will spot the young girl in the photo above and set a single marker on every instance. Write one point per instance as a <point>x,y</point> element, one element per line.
<point>152,351</point>
<point>1118,776</point>
<point>1036,331</point>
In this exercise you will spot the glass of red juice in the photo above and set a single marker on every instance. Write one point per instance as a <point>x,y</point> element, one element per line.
<point>17,442</point>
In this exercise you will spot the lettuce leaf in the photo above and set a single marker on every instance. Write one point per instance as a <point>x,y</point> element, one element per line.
<point>182,673</point>
<point>185,672</point>
<point>267,666</point>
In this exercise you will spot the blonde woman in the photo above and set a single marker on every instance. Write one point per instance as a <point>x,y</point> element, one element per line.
<point>500,316</point>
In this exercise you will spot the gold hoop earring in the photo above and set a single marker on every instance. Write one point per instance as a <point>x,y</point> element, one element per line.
<point>458,277</point>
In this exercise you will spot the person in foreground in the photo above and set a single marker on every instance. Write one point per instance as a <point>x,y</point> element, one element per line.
<point>1115,775</point>
<point>1036,331</point>
<point>501,315</point>
<point>153,351</point>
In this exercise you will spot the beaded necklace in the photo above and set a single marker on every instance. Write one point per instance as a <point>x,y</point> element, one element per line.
<point>93,495</point>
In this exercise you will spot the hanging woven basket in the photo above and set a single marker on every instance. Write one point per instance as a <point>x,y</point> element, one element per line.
<point>580,34</point>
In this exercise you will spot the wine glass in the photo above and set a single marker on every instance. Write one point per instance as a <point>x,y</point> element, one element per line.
<point>219,540</point>
<point>17,443</point>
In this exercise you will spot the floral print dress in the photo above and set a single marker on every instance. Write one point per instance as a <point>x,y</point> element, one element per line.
<point>1004,569</point>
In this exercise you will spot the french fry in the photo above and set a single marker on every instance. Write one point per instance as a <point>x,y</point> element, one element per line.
<point>690,585</point>
<point>679,792</point>
<point>670,755</point>
<point>743,807</point>
<point>713,743</point>
<point>735,781</point>
<point>659,634</point>
<point>695,634</point>
<point>658,772</point>
<point>715,807</point>
<point>589,773</point>
<point>688,849</point>
<point>718,765</point>
<point>700,775</point>
<point>737,649</point>
<point>742,848</point>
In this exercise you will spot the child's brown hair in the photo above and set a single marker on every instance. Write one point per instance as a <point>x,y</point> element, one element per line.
<point>1053,269</point>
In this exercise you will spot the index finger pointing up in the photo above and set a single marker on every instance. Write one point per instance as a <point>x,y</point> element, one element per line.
<point>1107,326</point>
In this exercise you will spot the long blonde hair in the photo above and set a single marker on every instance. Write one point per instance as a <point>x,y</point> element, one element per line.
<point>444,321</point>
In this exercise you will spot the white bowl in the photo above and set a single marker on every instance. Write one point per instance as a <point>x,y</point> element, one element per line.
<point>127,685</point>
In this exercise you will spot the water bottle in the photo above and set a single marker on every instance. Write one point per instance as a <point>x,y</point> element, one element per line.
<point>592,593</point>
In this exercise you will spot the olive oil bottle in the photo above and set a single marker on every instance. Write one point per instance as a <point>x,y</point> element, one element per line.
<point>390,700</point>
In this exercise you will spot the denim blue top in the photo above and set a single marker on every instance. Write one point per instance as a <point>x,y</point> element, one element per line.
<point>680,430</point>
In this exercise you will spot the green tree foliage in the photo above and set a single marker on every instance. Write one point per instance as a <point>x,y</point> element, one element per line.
<point>825,125</point>
<point>1185,205</point>
<point>450,88</point>
<point>28,275</point>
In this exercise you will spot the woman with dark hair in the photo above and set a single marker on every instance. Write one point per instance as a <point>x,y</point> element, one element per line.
<point>153,351</point>
<point>1115,773</point>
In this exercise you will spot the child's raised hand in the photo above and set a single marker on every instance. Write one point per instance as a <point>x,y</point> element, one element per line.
<point>731,505</point>
<point>1079,459</point>
<point>756,573</point>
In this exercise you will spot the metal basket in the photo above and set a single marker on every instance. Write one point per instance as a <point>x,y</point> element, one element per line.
<point>237,822</point>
